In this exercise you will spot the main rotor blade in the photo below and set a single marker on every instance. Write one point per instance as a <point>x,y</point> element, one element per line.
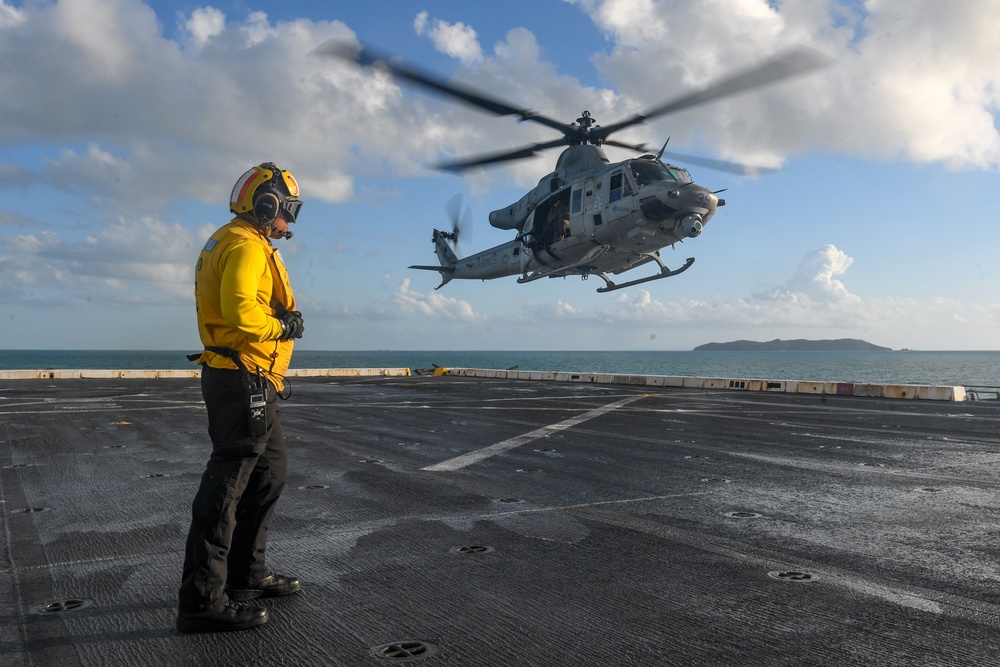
<point>642,148</point>
<point>367,56</point>
<point>490,158</point>
<point>789,64</point>
<point>722,165</point>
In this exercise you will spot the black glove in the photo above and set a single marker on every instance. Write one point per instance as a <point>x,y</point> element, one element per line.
<point>291,324</point>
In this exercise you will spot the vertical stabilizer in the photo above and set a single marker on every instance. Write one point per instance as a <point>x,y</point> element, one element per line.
<point>446,255</point>
<point>444,251</point>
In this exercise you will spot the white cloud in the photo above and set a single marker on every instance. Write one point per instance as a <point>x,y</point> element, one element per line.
<point>258,29</point>
<point>455,39</point>
<point>815,278</point>
<point>433,305</point>
<point>562,309</point>
<point>910,80</point>
<point>145,260</point>
<point>811,298</point>
<point>121,85</point>
<point>118,84</point>
<point>204,24</point>
<point>9,15</point>
<point>420,23</point>
<point>96,36</point>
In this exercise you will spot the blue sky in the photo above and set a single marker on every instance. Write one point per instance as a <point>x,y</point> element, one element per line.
<point>125,124</point>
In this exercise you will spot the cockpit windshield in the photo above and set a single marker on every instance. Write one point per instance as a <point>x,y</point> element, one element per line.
<point>648,171</point>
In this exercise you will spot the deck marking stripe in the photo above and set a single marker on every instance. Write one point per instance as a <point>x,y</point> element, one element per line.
<point>498,448</point>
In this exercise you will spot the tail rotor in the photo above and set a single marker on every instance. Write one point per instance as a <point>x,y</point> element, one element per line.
<point>460,215</point>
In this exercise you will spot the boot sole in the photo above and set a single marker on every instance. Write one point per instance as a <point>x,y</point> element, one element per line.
<point>188,625</point>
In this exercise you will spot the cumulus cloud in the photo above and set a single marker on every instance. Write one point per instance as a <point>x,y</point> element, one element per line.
<point>204,24</point>
<point>145,260</point>
<point>903,86</point>
<point>118,85</point>
<point>812,298</point>
<point>455,39</point>
<point>910,81</point>
<point>815,278</point>
<point>433,305</point>
<point>9,16</point>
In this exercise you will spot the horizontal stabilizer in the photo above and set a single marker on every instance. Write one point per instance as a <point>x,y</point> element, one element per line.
<point>441,269</point>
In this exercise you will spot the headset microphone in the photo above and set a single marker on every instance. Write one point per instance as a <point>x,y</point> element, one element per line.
<point>287,235</point>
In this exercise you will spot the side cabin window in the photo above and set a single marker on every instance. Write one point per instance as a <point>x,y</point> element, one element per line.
<point>616,187</point>
<point>577,203</point>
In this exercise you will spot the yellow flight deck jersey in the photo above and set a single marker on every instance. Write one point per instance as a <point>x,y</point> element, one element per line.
<point>240,286</point>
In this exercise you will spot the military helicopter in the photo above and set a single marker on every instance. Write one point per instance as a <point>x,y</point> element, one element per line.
<point>589,216</point>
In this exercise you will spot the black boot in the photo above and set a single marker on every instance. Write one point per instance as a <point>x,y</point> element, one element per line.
<point>224,616</point>
<point>271,586</point>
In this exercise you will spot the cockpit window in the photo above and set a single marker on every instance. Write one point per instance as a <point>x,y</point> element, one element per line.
<point>647,171</point>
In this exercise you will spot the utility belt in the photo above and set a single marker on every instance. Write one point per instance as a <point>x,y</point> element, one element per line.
<point>258,391</point>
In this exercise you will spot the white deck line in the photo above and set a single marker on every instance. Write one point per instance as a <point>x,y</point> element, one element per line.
<point>469,458</point>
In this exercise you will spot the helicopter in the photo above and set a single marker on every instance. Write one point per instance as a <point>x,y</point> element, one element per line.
<point>589,216</point>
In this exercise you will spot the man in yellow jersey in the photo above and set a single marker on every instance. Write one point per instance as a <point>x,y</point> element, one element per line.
<point>248,322</point>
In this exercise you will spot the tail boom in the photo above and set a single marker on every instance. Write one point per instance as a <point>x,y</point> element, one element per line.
<point>497,262</point>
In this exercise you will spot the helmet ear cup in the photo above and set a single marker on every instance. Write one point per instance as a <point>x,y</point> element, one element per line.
<point>266,207</point>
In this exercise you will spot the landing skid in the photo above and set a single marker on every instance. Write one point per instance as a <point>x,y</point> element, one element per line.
<point>664,273</point>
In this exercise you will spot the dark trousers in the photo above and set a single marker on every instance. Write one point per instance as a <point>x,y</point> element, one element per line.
<point>234,503</point>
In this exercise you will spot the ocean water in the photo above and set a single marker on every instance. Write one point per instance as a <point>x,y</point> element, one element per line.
<point>970,369</point>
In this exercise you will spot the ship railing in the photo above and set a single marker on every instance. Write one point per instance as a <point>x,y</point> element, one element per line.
<point>982,394</point>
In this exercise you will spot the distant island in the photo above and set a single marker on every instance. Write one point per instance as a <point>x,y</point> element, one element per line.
<point>839,345</point>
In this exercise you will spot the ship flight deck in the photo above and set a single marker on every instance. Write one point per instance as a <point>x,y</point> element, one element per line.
<point>460,520</point>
